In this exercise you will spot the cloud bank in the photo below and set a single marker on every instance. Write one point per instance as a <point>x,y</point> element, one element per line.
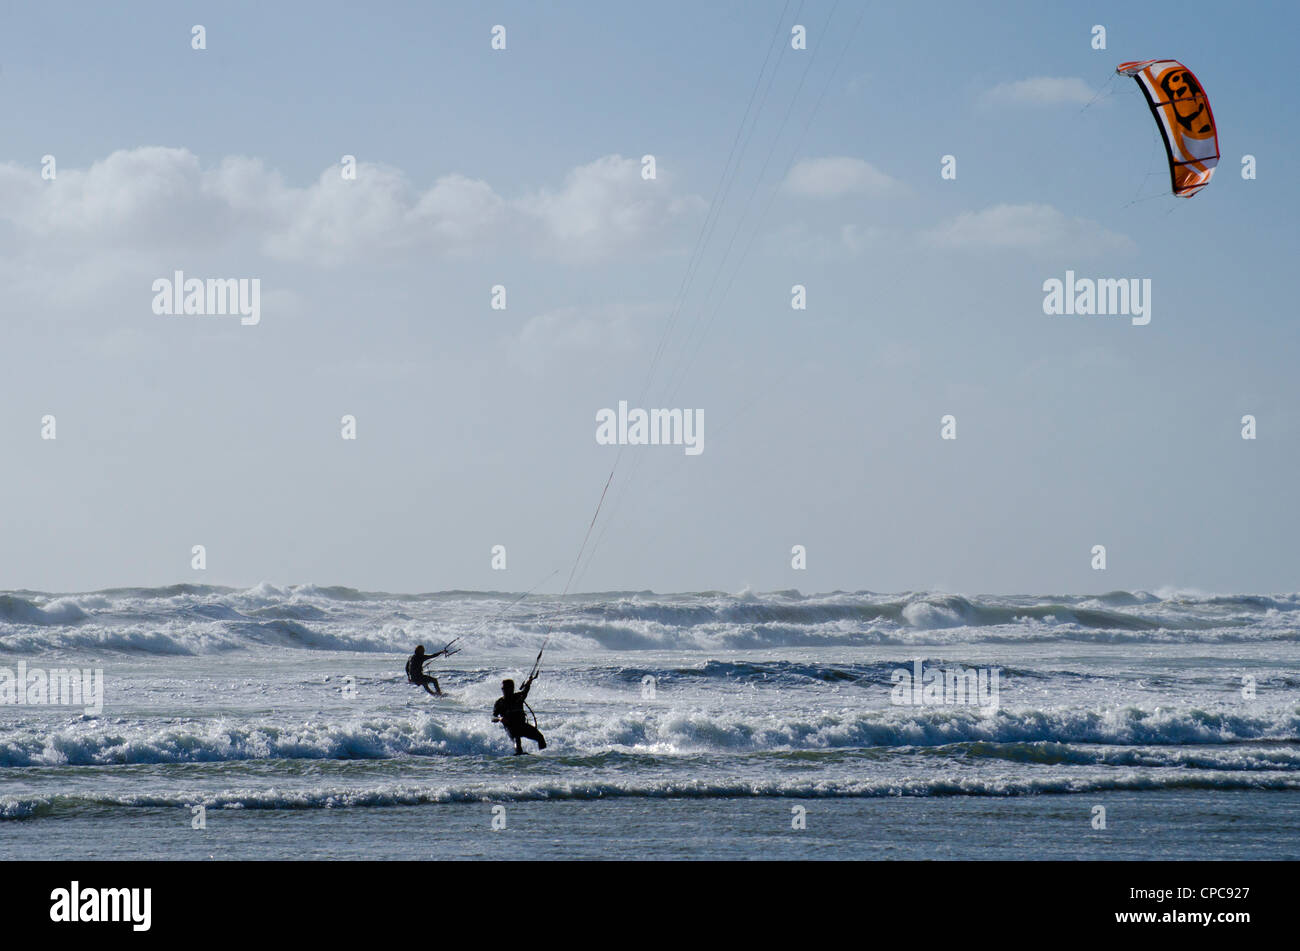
<point>161,198</point>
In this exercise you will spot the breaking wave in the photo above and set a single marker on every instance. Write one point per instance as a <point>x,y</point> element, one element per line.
<point>1027,736</point>
<point>409,794</point>
<point>199,619</point>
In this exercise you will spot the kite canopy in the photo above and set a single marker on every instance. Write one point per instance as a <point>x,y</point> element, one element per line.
<point>1182,110</point>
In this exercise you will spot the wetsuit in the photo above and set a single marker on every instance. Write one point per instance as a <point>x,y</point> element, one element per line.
<point>416,675</point>
<point>510,709</point>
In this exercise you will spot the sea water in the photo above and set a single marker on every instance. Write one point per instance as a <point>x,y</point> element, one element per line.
<point>277,723</point>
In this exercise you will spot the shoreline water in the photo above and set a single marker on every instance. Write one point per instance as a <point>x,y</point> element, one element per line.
<point>1159,825</point>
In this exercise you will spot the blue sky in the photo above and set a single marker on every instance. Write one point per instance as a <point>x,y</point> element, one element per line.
<point>521,167</point>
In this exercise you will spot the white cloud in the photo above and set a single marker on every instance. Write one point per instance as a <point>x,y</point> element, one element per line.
<point>460,208</point>
<point>1041,91</point>
<point>570,331</point>
<point>1029,227</point>
<point>568,328</point>
<point>826,241</point>
<point>859,238</point>
<point>144,197</point>
<point>605,204</point>
<point>837,177</point>
<point>336,219</point>
<point>152,197</point>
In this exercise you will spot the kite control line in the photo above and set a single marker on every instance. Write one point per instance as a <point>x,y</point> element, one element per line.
<point>532,675</point>
<point>537,664</point>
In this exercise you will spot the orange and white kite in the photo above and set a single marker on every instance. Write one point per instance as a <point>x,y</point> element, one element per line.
<point>1182,110</point>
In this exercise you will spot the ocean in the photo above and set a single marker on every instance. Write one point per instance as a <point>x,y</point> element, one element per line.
<point>277,722</point>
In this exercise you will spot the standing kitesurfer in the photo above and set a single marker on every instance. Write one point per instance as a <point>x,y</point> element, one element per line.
<point>509,711</point>
<point>415,668</point>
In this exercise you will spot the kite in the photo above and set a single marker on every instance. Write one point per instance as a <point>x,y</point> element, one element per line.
<point>1182,110</point>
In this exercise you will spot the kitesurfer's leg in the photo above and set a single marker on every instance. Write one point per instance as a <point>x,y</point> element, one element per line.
<point>527,731</point>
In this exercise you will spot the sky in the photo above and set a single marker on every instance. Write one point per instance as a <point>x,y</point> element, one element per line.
<point>523,167</point>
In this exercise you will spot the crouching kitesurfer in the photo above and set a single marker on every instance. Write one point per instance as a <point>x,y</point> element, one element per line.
<point>509,711</point>
<point>415,667</point>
